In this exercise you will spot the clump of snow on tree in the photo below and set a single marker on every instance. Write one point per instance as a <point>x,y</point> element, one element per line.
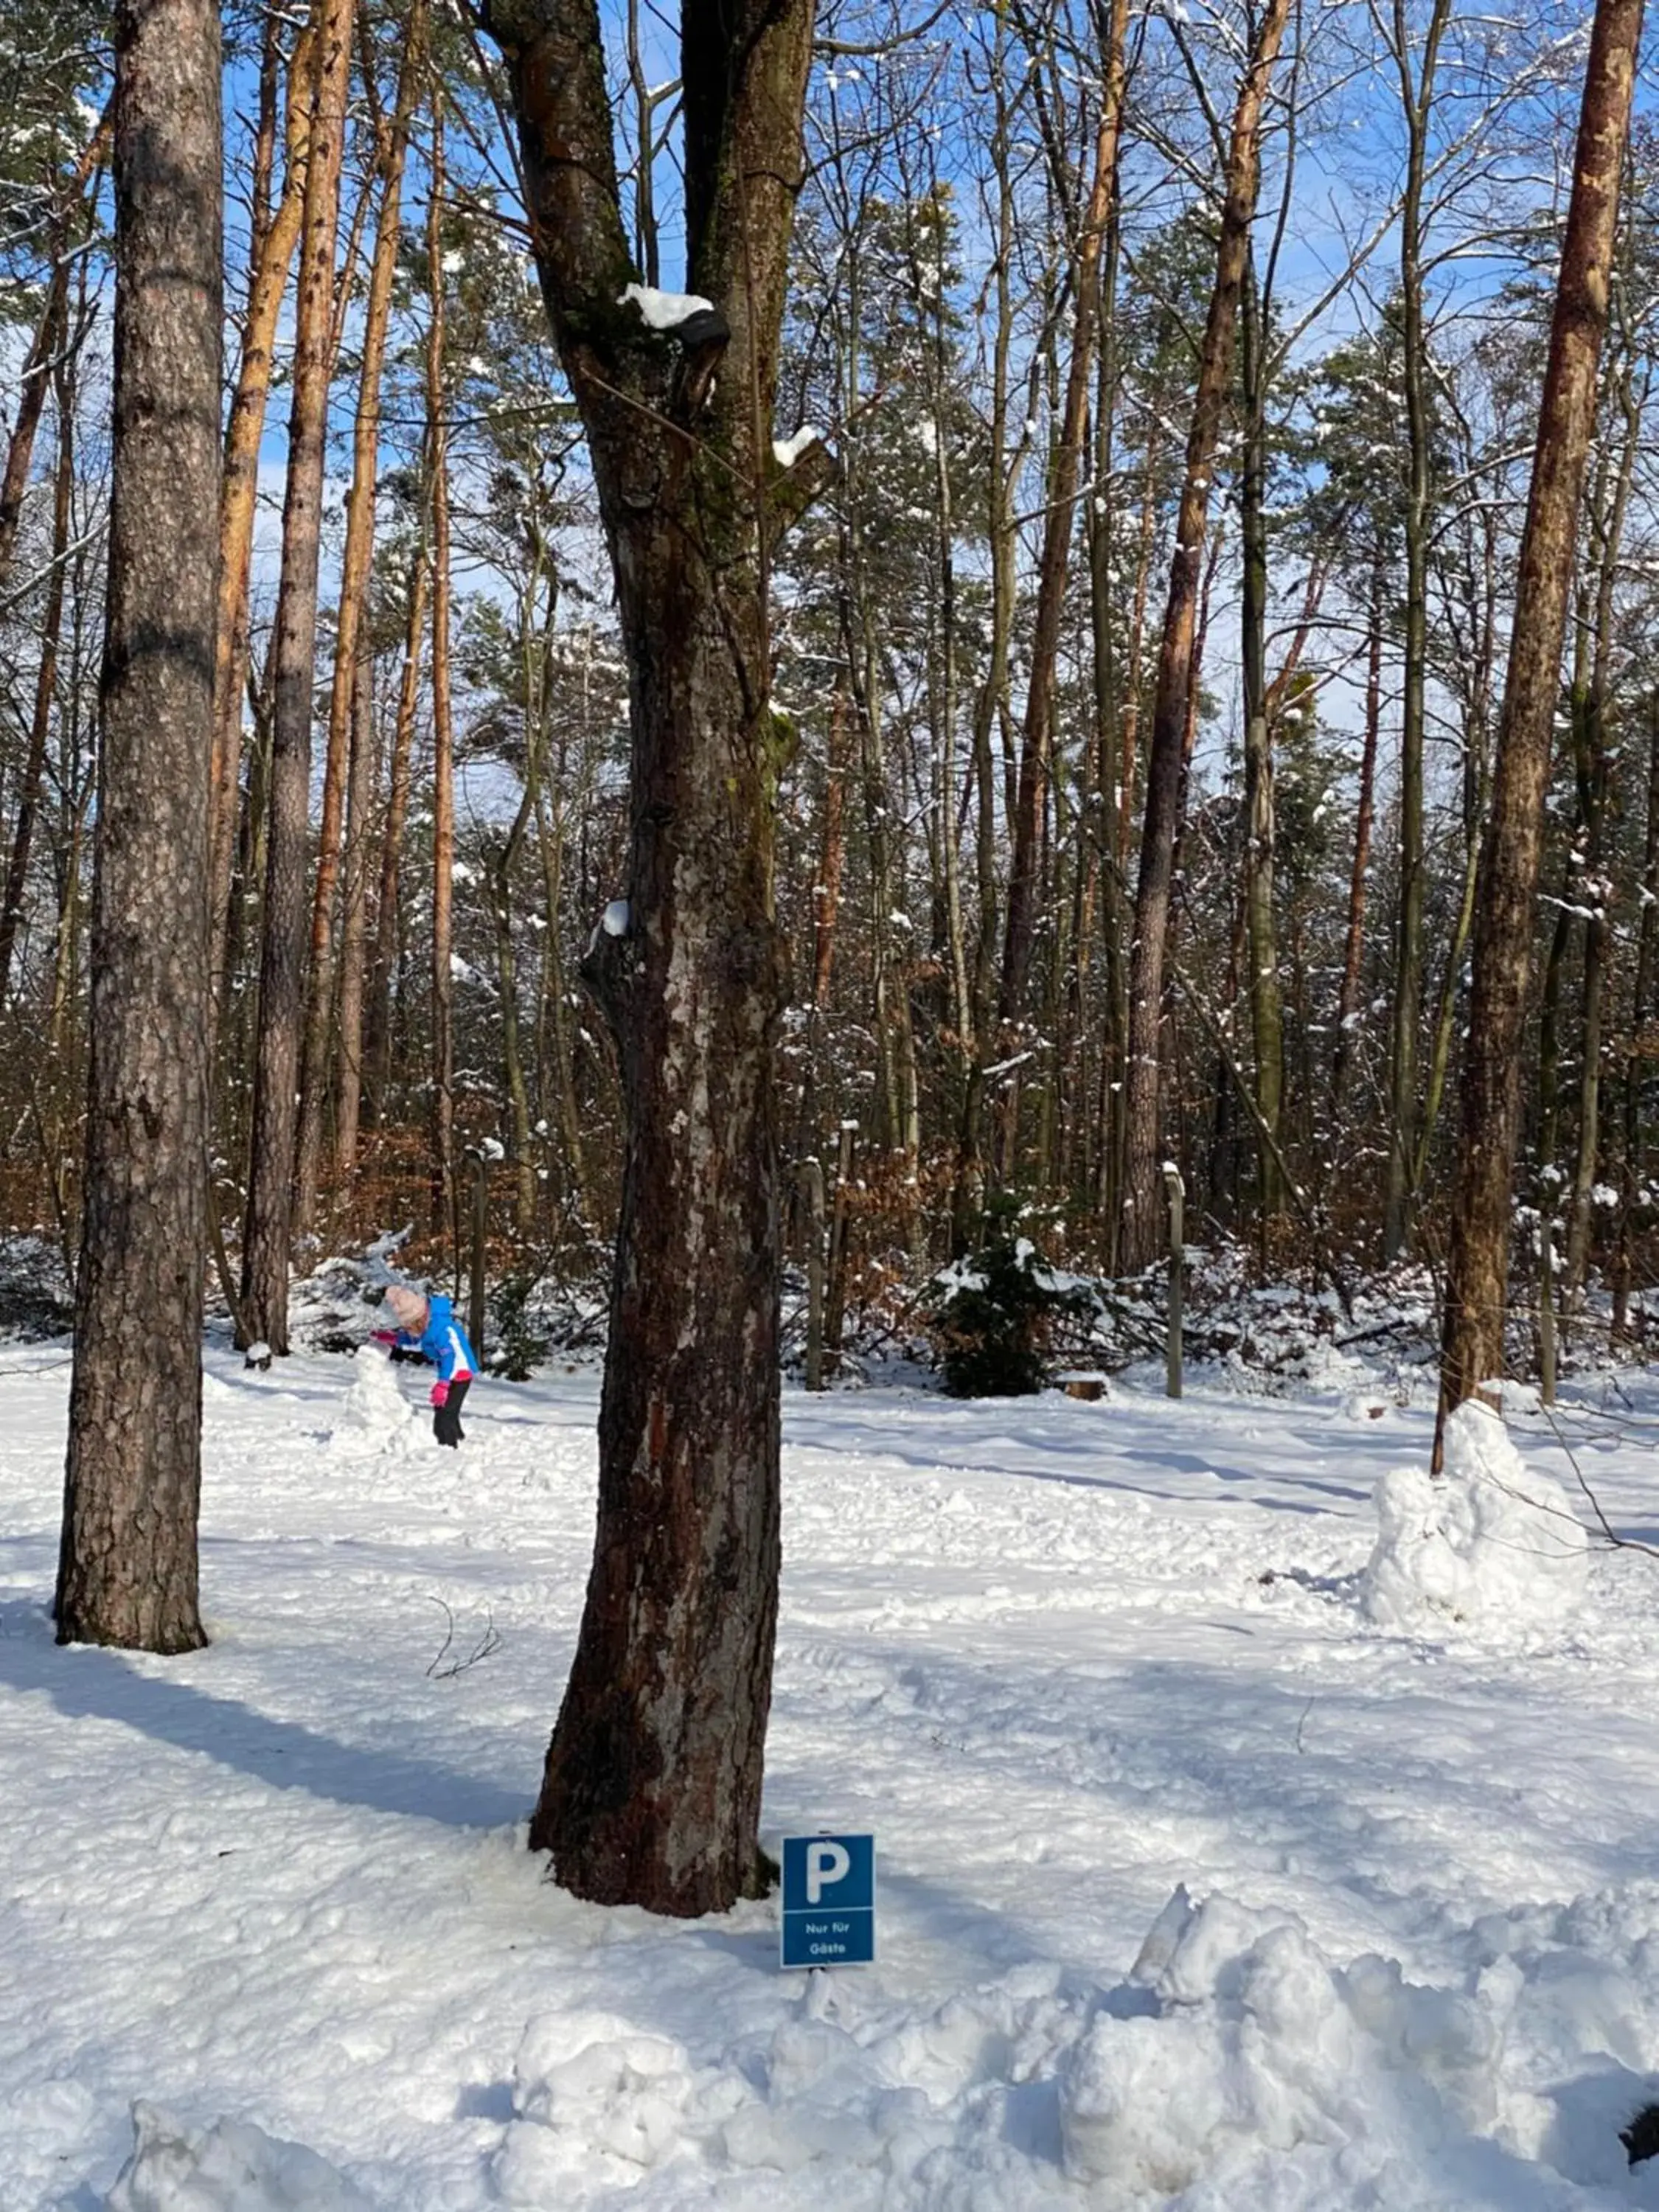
<point>786,452</point>
<point>1252,2044</point>
<point>232,2166</point>
<point>664,311</point>
<point>1492,1544</point>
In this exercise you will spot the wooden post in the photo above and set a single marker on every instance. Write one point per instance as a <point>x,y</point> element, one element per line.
<point>812,1174</point>
<point>475,1304</point>
<point>835,1299</point>
<point>1177,1191</point>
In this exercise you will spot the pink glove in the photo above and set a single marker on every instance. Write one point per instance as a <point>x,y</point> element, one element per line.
<point>384,1336</point>
<point>440,1395</point>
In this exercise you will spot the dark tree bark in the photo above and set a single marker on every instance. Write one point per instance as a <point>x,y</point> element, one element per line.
<point>1143,1238</point>
<point>651,1789</point>
<point>1477,1271</point>
<point>127,1567</point>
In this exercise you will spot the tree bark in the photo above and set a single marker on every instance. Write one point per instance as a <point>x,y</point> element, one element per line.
<point>127,1564</point>
<point>1477,1272</point>
<point>651,1789</point>
<point>1142,1237</point>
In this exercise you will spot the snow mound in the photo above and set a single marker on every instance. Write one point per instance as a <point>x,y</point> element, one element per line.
<point>232,2166</point>
<point>374,1408</point>
<point>1492,1544</point>
<point>1252,2050</point>
<point>591,2093</point>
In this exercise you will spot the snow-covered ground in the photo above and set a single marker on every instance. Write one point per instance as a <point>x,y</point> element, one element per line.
<point>1219,1864</point>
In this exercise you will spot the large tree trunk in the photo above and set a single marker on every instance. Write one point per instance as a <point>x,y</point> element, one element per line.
<point>652,1790</point>
<point>1477,1272</point>
<point>1142,1236</point>
<point>127,1567</point>
<point>266,1235</point>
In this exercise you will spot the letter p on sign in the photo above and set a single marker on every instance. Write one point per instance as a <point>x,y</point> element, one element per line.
<point>826,1862</point>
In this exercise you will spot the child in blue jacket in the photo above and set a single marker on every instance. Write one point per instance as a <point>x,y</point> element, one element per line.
<point>428,1327</point>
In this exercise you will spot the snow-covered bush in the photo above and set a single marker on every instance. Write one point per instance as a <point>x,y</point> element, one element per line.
<point>991,1314</point>
<point>1491,1544</point>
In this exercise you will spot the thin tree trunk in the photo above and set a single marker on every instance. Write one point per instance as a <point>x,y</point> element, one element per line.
<point>360,807</point>
<point>45,685</point>
<point>1267,1012</point>
<point>41,360</point>
<point>1143,1231</point>
<point>1347,1002</point>
<point>1477,1274</point>
<point>272,253</point>
<point>1594,769</point>
<point>1060,526</point>
<point>266,1238</point>
<point>377,1049</point>
<point>127,1564</point>
<point>354,565</point>
<point>443,739</point>
<point>1417,98</point>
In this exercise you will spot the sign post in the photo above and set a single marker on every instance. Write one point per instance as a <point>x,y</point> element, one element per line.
<point>828,1901</point>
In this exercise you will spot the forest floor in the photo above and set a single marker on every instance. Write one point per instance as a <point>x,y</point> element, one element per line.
<point>1213,1869</point>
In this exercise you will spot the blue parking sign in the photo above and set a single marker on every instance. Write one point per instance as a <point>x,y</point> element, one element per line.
<point>828,1901</point>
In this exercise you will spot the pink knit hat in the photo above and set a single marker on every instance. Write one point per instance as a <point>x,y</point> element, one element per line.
<point>408,1307</point>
